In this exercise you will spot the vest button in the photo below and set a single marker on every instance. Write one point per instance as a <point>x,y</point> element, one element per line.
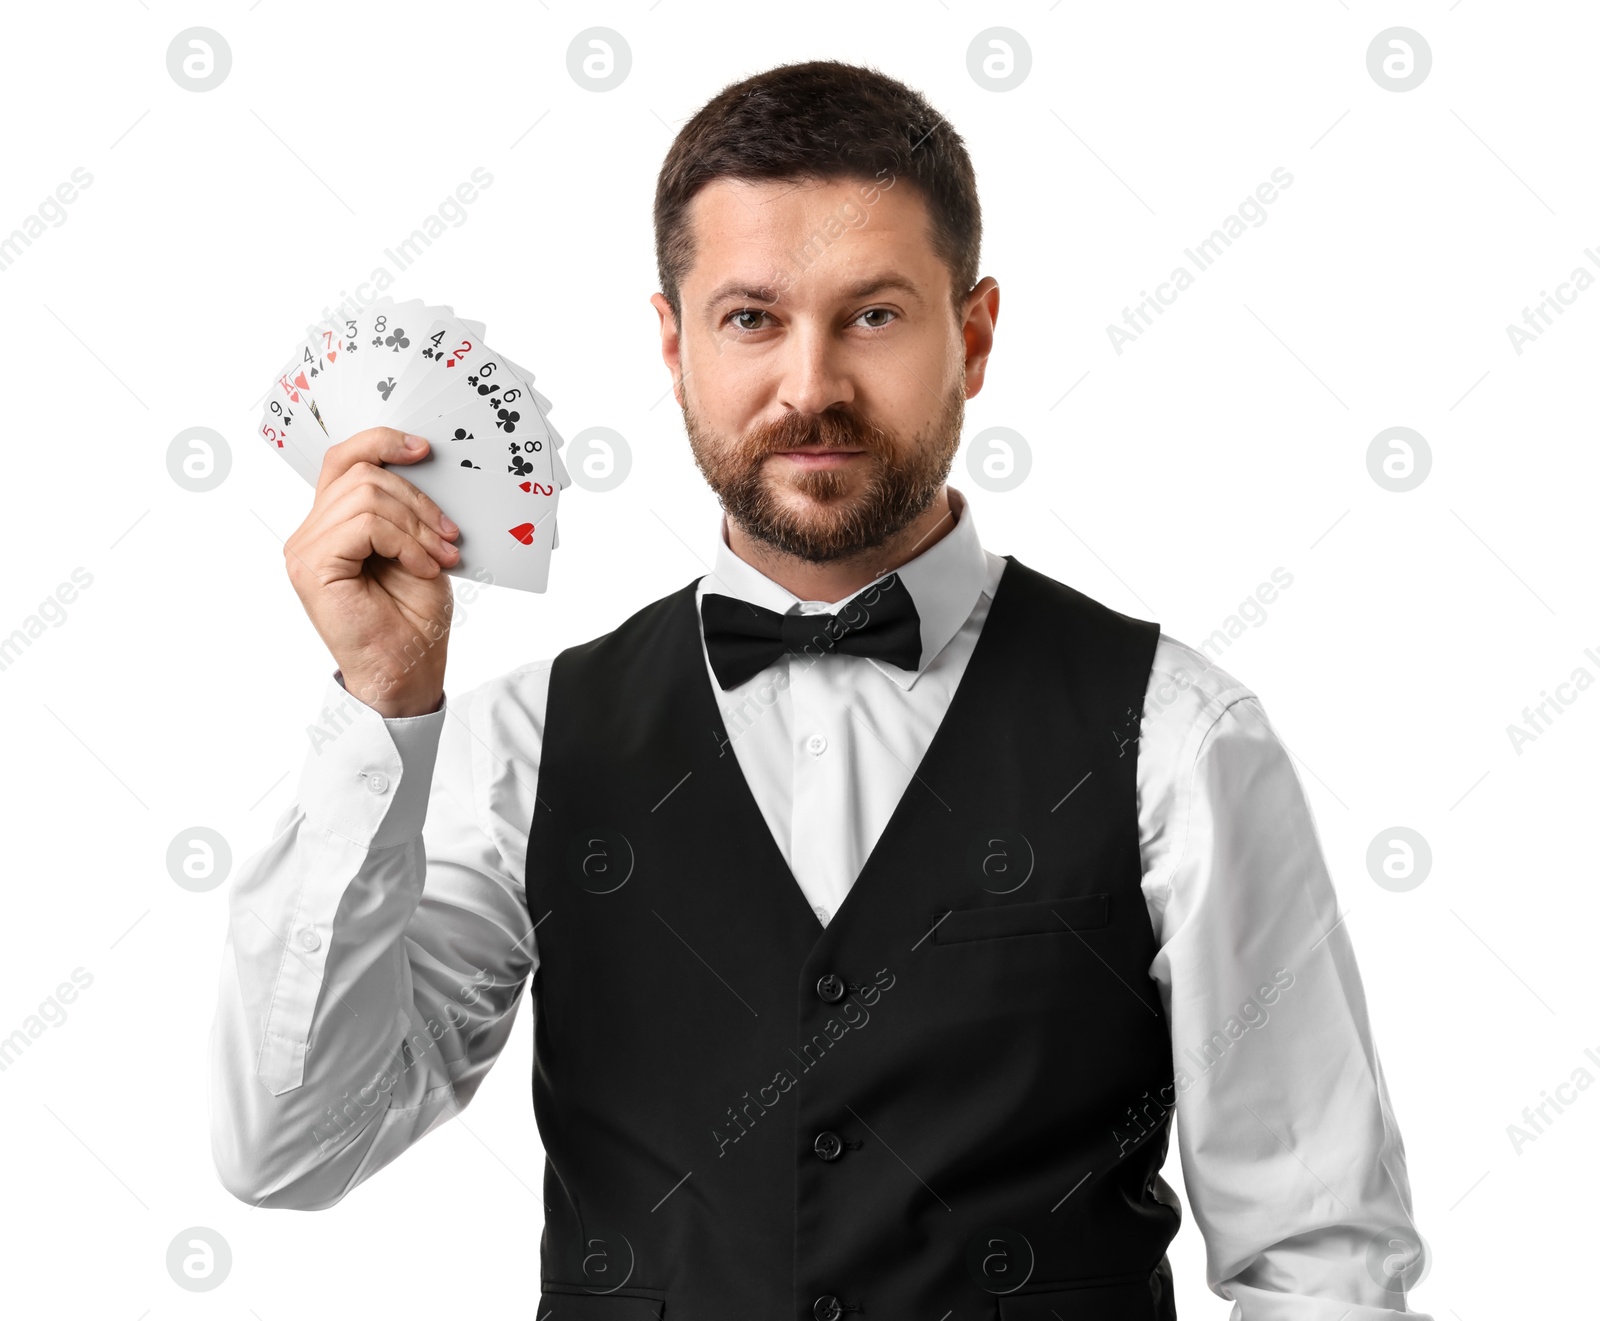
<point>830,986</point>
<point>827,1308</point>
<point>828,1145</point>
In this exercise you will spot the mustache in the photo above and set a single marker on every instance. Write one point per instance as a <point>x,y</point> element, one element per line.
<point>833,429</point>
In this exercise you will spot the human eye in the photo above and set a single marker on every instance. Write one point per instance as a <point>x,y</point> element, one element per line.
<point>737,313</point>
<point>885,312</point>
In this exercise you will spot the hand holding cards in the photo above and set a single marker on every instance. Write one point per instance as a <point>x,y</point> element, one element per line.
<point>493,466</point>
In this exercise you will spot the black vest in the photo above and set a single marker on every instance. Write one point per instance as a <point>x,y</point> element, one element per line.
<point>950,1104</point>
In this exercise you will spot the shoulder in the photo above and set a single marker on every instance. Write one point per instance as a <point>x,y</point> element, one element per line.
<point>1188,695</point>
<point>1205,746</point>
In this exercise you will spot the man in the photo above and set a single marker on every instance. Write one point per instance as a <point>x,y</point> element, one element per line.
<point>882,896</point>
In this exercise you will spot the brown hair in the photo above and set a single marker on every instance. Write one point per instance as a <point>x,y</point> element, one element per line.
<point>821,120</point>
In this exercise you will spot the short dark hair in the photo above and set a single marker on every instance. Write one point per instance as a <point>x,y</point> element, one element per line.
<point>822,120</point>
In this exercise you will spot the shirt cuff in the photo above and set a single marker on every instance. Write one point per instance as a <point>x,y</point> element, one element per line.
<point>366,779</point>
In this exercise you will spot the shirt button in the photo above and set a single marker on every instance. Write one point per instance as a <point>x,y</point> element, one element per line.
<point>828,1145</point>
<point>830,986</point>
<point>816,745</point>
<point>821,912</point>
<point>827,1308</point>
<point>309,939</point>
<point>378,782</point>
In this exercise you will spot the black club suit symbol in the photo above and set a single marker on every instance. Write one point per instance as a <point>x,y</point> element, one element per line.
<point>508,420</point>
<point>397,340</point>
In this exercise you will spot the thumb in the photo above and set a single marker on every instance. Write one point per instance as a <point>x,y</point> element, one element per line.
<point>374,445</point>
<point>401,446</point>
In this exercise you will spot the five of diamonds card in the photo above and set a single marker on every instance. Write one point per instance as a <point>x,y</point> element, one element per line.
<point>492,464</point>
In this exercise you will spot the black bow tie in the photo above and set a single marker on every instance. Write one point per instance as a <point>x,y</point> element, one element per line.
<point>742,639</point>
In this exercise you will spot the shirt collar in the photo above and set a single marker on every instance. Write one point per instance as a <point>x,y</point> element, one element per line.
<point>944,581</point>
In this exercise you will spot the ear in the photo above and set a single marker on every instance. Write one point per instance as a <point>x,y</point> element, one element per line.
<point>977,330</point>
<point>671,344</point>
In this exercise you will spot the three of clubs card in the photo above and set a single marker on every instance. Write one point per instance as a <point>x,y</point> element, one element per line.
<point>492,464</point>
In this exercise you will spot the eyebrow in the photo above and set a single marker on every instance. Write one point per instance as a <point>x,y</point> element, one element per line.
<point>766,293</point>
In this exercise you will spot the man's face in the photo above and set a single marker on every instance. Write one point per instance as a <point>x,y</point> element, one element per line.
<point>820,366</point>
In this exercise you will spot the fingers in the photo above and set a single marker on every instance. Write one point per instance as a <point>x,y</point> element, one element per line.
<point>337,507</point>
<point>375,445</point>
<point>364,473</point>
<point>343,547</point>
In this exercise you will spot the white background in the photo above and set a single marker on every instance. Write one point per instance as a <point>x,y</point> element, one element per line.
<point>1230,440</point>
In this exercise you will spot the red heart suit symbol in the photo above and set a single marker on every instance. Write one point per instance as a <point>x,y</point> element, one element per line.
<point>523,532</point>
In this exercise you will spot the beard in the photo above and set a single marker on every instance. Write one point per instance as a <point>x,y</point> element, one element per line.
<point>842,512</point>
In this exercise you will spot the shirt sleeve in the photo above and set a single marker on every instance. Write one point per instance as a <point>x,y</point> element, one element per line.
<point>371,976</point>
<point>1291,1157</point>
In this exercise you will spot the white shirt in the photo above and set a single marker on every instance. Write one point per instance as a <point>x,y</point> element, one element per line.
<point>349,933</point>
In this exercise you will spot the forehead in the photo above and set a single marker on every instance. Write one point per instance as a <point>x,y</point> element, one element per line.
<point>825,230</point>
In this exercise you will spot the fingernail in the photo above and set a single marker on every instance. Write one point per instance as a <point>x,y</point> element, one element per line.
<point>415,442</point>
<point>447,525</point>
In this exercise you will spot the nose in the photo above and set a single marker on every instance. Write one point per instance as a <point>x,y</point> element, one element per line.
<point>813,376</point>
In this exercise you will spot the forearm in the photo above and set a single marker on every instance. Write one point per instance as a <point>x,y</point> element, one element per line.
<point>320,1052</point>
<point>299,1103</point>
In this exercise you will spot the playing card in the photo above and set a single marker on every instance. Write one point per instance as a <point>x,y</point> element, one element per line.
<point>563,478</point>
<point>298,440</point>
<point>360,382</point>
<point>335,346</point>
<point>293,387</point>
<point>330,339</point>
<point>447,352</point>
<point>504,531</point>
<point>520,459</point>
<point>487,393</point>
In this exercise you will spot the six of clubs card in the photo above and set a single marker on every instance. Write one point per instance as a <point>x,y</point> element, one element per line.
<point>492,466</point>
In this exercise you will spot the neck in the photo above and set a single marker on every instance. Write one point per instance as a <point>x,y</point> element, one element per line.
<point>838,579</point>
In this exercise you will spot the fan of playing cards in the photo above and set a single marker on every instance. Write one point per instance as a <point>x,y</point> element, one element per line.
<point>492,465</point>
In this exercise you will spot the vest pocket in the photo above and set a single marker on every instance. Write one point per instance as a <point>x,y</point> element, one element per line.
<point>1082,912</point>
<point>572,1302</point>
<point>1131,1300</point>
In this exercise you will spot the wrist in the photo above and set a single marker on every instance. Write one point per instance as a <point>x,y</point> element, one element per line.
<point>405,709</point>
<point>389,703</point>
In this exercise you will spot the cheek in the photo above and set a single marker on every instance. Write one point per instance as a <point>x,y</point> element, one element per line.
<point>729,391</point>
